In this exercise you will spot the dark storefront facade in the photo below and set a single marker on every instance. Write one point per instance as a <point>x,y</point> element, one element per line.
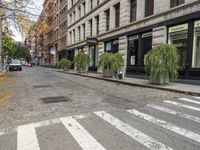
<point>183,32</point>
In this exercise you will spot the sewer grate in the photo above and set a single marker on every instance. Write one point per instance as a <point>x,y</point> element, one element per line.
<point>56,99</point>
<point>41,86</point>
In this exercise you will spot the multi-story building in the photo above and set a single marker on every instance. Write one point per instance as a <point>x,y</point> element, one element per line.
<point>62,30</point>
<point>132,28</point>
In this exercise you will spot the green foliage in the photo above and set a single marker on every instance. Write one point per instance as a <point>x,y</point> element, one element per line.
<point>8,46</point>
<point>161,62</point>
<point>65,64</point>
<point>22,53</point>
<point>81,60</point>
<point>113,62</point>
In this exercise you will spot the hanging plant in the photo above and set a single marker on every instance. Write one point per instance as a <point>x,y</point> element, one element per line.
<point>162,62</point>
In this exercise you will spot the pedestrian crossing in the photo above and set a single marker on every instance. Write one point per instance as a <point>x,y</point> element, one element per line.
<point>27,136</point>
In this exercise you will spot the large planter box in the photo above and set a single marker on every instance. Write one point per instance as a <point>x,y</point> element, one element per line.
<point>107,73</point>
<point>160,80</point>
<point>81,70</point>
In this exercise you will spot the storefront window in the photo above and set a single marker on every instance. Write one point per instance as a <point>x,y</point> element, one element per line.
<point>108,46</point>
<point>112,46</point>
<point>196,47</point>
<point>133,50</point>
<point>146,44</point>
<point>178,35</point>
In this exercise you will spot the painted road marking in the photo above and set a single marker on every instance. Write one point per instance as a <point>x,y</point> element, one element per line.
<point>183,105</point>
<point>184,132</point>
<point>142,138</point>
<point>83,138</point>
<point>196,97</point>
<point>189,100</point>
<point>176,113</point>
<point>26,138</point>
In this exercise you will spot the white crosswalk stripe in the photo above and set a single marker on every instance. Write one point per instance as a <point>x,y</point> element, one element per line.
<point>182,105</point>
<point>189,100</point>
<point>144,139</point>
<point>184,132</point>
<point>26,138</point>
<point>176,113</point>
<point>84,139</point>
<point>196,97</point>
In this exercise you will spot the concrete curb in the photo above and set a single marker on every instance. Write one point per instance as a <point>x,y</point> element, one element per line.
<point>133,84</point>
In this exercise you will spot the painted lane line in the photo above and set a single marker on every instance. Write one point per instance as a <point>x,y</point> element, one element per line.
<point>197,97</point>
<point>142,138</point>
<point>83,138</point>
<point>176,113</point>
<point>178,130</point>
<point>182,105</point>
<point>189,100</point>
<point>26,138</point>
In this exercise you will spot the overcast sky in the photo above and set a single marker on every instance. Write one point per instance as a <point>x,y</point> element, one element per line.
<point>36,8</point>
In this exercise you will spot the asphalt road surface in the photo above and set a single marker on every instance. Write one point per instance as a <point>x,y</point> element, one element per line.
<point>41,109</point>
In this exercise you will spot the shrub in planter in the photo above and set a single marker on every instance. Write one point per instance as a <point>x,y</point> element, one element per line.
<point>81,61</point>
<point>110,63</point>
<point>65,64</point>
<point>162,62</point>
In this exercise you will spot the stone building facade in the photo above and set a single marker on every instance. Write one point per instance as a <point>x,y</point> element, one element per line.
<point>132,28</point>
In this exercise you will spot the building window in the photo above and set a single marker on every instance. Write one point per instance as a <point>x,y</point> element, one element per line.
<point>74,13</point>
<point>178,36</point>
<point>84,11</point>
<point>146,44</point>
<point>90,27</point>
<point>70,36</point>
<point>79,12</point>
<point>175,3</point>
<point>133,50</point>
<point>74,36</point>
<point>91,4</point>
<point>112,46</point>
<point>83,31</point>
<point>79,33</point>
<point>107,19</point>
<point>149,7</point>
<point>70,16</point>
<point>133,10</point>
<point>97,24</point>
<point>117,15</point>
<point>196,47</point>
<point>98,2</point>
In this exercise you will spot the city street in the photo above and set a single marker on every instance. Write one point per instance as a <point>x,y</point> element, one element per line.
<point>46,110</point>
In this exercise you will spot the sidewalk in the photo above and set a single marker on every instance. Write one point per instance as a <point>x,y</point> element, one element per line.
<point>173,87</point>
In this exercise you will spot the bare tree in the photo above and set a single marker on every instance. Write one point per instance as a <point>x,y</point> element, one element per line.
<point>19,14</point>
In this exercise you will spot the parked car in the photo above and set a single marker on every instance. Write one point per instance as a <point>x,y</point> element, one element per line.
<point>30,65</point>
<point>15,65</point>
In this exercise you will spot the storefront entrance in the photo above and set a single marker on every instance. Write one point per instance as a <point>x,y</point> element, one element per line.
<point>138,46</point>
<point>93,53</point>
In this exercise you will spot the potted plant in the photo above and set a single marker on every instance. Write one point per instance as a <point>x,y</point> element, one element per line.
<point>81,61</point>
<point>110,63</point>
<point>65,64</point>
<point>162,62</point>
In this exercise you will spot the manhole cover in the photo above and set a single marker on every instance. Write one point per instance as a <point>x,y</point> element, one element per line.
<point>56,99</point>
<point>41,86</point>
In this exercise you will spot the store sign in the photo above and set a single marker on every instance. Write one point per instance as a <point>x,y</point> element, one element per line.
<point>132,38</point>
<point>53,51</point>
<point>178,28</point>
<point>197,24</point>
<point>91,41</point>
